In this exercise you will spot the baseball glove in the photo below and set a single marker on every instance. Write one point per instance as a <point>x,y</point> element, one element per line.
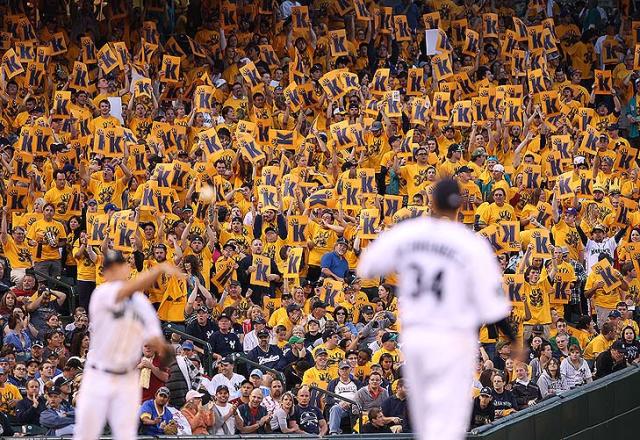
<point>171,428</point>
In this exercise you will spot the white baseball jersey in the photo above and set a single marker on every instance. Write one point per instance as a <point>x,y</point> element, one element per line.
<point>593,249</point>
<point>448,276</point>
<point>119,330</point>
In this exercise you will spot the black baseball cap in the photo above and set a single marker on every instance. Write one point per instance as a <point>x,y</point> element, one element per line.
<point>485,391</point>
<point>464,169</point>
<point>263,334</point>
<point>112,257</point>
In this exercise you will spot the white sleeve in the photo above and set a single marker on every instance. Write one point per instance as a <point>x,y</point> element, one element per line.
<point>378,257</point>
<point>104,297</point>
<point>152,327</point>
<point>486,285</point>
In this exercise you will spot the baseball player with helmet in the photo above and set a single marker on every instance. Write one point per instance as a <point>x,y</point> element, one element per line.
<point>122,320</point>
<point>449,285</point>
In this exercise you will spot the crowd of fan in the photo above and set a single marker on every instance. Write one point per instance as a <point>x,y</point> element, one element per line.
<point>262,146</point>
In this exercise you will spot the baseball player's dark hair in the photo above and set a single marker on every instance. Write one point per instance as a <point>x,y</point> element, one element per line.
<point>446,195</point>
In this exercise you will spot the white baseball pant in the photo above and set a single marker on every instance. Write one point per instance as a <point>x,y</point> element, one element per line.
<point>439,370</point>
<point>108,397</point>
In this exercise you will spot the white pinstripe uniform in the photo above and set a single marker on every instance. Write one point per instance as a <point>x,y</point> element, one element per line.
<point>449,284</point>
<point>110,389</point>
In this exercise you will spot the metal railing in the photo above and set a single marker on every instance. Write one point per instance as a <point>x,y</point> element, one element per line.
<point>207,361</point>
<point>342,398</point>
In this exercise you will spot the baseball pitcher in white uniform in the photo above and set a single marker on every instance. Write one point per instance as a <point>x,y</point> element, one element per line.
<point>122,321</point>
<point>449,285</point>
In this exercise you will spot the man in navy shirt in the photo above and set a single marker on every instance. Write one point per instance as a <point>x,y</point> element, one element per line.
<point>334,264</point>
<point>307,417</point>
<point>265,353</point>
<point>223,342</point>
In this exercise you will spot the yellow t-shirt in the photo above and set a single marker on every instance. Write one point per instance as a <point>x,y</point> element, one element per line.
<point>323,239</point>
<point>107,192</point>
<point>19,255</point>
<point>86,267</point>
<point>319,378</point>
<point>395,354</point>
<point>40,230</point>
<point>59,198</point>
<point>538,298</point>
<point>335,356</point>
<point>600,298</point>
<point>596,346</point>
<point>8,392</point>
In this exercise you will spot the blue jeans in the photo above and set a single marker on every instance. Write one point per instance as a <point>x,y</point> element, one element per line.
<point>336,413</point>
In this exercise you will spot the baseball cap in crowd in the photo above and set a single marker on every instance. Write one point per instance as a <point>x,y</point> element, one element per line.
<point>367,310</point>
<point>464,169</point>
<point>262,334</point>
<point>192,394</point>
<point>163,391</point>
<point>485,391</point>
<point>342,240</point>
<point>498,167</point>
<point>478,152</point>
<point>295,339</point>
<point>110,207</point>
<point>454,148</point>
<point>571,211</point>
<point>447,128</point>
<point>197,238</point>
<point>598,187</point>
<point>54,391</point>
<point>615,314</point>
<point>222,388</point>
<point>320,351</point>
<point>259,320</point>
<point>203,310</point>
<point>388,337</point>
<point>344,364</point>
<point>92,202</point>
<point>329,334</point>
<point>61,381</point>
<point>74,362</point>
<point>579,160</point>
<point>234,283</point>
<point>256,372</point>
<point>538,328</point>
<point>224,315</point>
<point>598,227</point>
<point>37,344</point>
<point>376,126</point>
<point>187,345</point>
<point>112,257</point>
<point>226,360</point>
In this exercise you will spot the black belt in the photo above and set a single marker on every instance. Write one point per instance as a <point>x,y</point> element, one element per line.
<point>109,371</point>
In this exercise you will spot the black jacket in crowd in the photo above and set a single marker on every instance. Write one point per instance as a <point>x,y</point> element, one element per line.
<point>525,393</point>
